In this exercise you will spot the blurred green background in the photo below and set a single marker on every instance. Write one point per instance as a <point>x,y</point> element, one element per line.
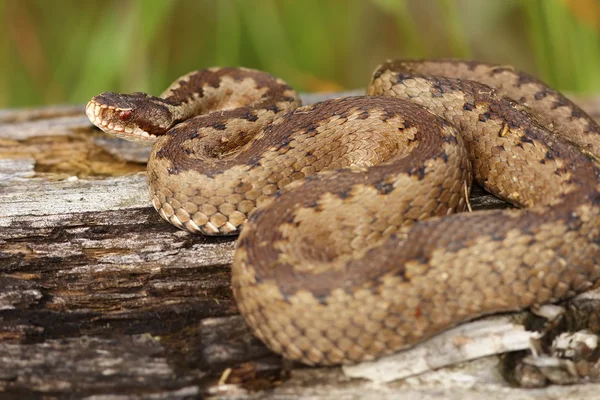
<point>65,51</point>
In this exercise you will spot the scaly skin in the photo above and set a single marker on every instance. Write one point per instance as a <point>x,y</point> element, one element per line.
<point>354,251</point>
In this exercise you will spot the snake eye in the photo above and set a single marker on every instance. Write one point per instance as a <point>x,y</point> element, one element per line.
<point>125,115</point>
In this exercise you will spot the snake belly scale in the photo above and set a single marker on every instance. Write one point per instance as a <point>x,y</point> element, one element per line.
<point>352,244</point>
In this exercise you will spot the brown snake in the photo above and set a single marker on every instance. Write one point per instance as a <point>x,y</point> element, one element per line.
<point>355,250</point>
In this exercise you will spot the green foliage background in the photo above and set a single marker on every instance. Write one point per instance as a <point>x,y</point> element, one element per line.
<point>57,51</point>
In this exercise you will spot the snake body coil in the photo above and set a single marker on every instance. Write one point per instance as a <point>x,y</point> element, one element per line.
<point>355,250</point>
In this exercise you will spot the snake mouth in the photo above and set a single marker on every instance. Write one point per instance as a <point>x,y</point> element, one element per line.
<point>103,116</point>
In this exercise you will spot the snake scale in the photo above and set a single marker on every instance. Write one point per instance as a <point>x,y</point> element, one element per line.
<point>353,245</point>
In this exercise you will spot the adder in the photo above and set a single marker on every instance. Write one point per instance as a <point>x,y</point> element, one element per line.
<point>352,244</point>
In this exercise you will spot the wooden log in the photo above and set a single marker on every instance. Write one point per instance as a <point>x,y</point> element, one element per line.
<point>100,297</point>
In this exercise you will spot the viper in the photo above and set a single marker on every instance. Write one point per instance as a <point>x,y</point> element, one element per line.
<point>352,240</point>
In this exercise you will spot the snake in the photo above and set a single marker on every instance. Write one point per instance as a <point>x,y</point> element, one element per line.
<point>352,240</point>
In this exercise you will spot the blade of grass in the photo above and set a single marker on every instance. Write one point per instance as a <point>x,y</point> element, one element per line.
<point>106,54</point>
<point>30,74</point>
<point>566,47</point>
<point>583,18</point>
<point>268,38</point>
<point>313,45</point>
<point>558,31</point>
<point>4,60</point>
<point>147,18</point>
<point>228,33</point>
<point>66,56</point>
<point>410,35</point>
<point>346,33</point>
<point>186,42</point>
<point>536,23</point>
<point>459,46</point>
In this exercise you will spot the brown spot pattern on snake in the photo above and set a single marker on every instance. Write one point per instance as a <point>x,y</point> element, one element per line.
<point>354,250</point>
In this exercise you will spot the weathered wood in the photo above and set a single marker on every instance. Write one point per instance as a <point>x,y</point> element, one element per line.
<point>100,297</point>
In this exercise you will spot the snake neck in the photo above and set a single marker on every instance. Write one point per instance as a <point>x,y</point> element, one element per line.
<point>222,89</point>
<point>213,91</point>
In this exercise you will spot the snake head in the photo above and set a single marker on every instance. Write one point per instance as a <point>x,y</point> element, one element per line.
<point>135,116</point>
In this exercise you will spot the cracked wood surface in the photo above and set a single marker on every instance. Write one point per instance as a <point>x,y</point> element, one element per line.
<point>100,298</point>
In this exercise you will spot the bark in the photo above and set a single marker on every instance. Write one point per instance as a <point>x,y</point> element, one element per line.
<point>100,298</point>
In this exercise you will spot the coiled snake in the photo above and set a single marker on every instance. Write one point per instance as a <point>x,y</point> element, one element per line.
<point>355,250</point>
